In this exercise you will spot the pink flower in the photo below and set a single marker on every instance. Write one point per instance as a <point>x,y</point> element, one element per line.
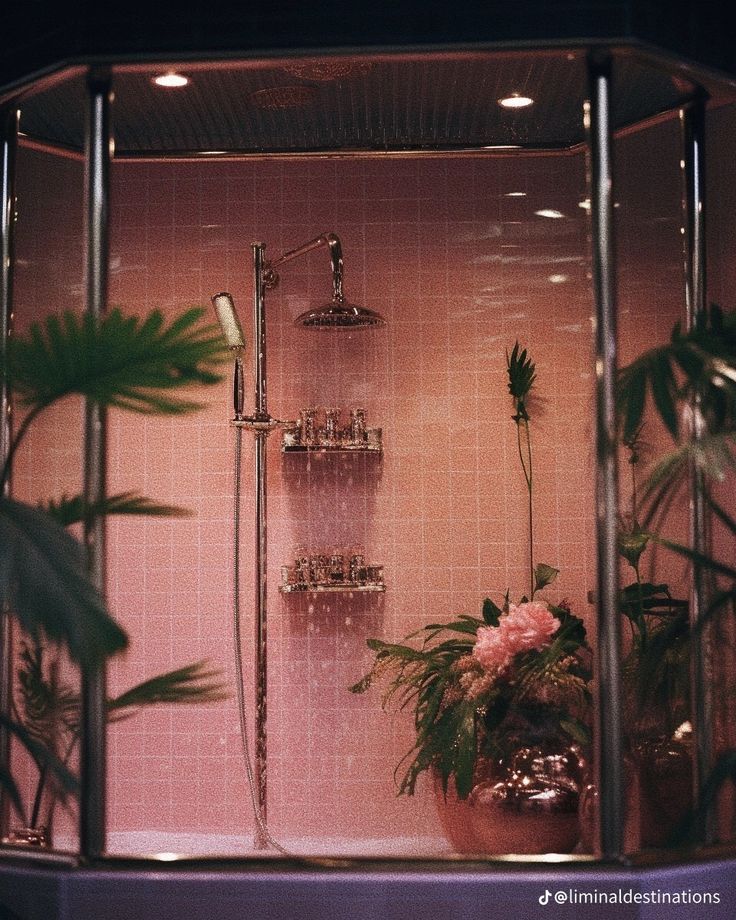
<point>490,648</point>
<point>528,626</point>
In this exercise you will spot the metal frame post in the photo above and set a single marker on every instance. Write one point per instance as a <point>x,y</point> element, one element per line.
<point>10,120</point>
<point>692,124</point>
<point>260,561</point>
<point>609,734</point>
<point>93,800</point>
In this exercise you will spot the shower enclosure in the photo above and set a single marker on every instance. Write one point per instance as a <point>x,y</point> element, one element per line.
<point>469,221</point>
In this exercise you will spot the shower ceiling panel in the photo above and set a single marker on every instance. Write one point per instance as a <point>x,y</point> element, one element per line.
<point>377,102</point>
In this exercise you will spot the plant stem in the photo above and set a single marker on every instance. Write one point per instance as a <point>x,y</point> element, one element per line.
<point>43,773</point>
<point>43,778</point>
<point>24,425</point>
<point>634,501</point>
<point>527,468</point>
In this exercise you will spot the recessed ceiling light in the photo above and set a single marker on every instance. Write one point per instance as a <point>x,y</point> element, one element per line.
<point>515,101</point>
<point>171,80</point>
<point>515,195</point>
<point>557,279</point>
<point>549,212</point>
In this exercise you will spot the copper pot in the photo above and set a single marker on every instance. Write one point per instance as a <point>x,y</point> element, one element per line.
<point>528,805</point>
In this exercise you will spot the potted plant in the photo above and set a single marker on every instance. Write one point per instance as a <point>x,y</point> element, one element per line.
<point>48,708</point>
<point>127,362</point>
<point>690,383</point>
<point>497,700</point>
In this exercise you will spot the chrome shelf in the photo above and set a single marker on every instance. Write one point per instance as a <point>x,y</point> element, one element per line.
<point>373,444</point>
<point>332,589</point>
<point>331,449</point>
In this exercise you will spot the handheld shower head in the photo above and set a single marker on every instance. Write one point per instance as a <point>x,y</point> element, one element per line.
<point>229,322</point>
<point>233,333</point>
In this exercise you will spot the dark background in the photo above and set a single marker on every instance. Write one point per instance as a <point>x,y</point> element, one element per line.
<point>35,34</point>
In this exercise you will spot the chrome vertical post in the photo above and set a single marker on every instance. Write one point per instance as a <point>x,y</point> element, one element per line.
<point>692,124</point>
<point>609,734</point>
<point>261,545</point>
<point>92,812</point>
<point>10,118</point>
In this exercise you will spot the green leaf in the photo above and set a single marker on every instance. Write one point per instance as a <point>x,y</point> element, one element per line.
<point>466,746</point>
<point>577,730</point>
<point>70,510</point>
<point>127,362</point>
<point>544,575</point>
<point>491,612</point>
<point>632,543</point>
<point>7,783</point>
<point>633,406</point>
<point>66,780</point>
<point>194,683</point>
<point>50,708</point>
<point>663,389</point>
<point>700,559</point>
<point>706,361</point>
<point>44,581</point>
<point>522,374</point>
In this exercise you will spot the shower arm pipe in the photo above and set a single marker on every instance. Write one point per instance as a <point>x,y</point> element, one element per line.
<point>9,140</point>
<point>609,725</point>
<point>332,241</point>
<point>692,124</point>
<point>93,748</point>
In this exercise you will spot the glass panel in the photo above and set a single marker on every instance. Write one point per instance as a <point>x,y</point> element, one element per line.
<point>721,127</point>
<point>49,272</point>
<point>651,301</point>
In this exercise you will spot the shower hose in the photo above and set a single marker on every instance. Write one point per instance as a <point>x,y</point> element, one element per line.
<point>260,820</point>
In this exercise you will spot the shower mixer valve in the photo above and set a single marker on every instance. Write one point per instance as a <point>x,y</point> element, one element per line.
<point>261,423</point>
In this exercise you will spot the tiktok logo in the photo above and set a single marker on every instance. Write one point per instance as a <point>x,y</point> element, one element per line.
<point>544,898</point>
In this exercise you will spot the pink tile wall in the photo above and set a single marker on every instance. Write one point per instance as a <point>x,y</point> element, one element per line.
<point>460,270</point>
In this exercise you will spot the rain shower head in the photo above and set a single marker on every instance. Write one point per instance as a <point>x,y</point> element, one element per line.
<point>338,313</point>
<point>229,322</point>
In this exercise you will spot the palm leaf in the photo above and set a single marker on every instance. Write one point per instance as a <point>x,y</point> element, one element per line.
<point>43,580</point>
<point>127,362</point>
<point>70,510</point>
<point>50,708</point>
<point>194,683</point>
<point>700,559</point>
<point>706,360</point>
<point>66,781</point>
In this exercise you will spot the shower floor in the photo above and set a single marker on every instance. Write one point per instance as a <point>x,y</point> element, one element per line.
<point>147,843</point>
